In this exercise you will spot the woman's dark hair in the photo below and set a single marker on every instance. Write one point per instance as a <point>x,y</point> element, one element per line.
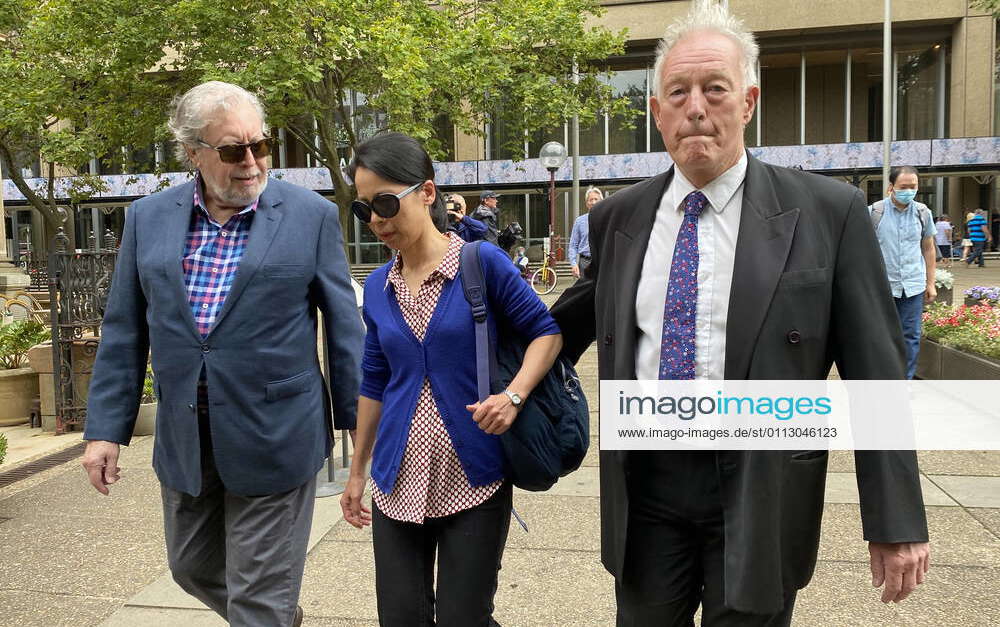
<point>400,158</point>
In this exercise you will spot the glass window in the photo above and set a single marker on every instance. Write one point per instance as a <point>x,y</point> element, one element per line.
<point>631,84</point>
<point>825,83</point>
<point>866,95</point>
<point>444,132</point>
<point>916,91</point>
<point>592,137</point>
<point>538,208</point>
<point>996,85</point>
<point>780,78</point>
<point>543,136</point>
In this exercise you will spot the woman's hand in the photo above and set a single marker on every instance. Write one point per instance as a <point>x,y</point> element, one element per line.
<point>355,512</point>
<point>494,415</point>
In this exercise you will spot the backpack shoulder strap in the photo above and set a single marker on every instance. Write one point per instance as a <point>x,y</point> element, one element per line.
<point>474,288</point>
<point>875,210</point>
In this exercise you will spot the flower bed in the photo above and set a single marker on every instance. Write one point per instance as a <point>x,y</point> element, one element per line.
<point>974,329</point>
<point>982,294</point>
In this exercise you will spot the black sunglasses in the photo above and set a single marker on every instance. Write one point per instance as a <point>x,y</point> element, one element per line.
<point>234,153</point>
<point>386,204</point>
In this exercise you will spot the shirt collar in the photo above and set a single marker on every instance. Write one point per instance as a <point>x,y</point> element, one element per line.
<point>447,269</point>
<point>199,204</point>
<point>718,192</point>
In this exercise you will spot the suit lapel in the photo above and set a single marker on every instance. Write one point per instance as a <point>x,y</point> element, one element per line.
<point>631,241</point>
<point>765,237</point>
<point>176,225</point>
<point>262,232</point>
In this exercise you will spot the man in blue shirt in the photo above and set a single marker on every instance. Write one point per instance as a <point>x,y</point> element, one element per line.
<point>905,233</point>
<point>978,232</point>
<point>579,239</point>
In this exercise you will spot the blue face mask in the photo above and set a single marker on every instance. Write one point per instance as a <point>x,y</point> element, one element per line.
<point>905,196</point>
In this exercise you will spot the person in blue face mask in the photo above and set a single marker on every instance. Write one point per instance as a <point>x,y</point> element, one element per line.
<point>905,231</point>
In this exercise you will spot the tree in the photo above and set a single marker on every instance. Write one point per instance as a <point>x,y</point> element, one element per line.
<point>413,61</point>
<point>992,6</point>
<point>74,84</point>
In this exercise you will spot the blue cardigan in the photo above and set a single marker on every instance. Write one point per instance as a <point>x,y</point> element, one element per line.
<point>395,363</point>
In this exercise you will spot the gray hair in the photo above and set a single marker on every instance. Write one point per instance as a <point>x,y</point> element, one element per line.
<point>196,108</point>
<point>594,190</point>
<point>707,15</point>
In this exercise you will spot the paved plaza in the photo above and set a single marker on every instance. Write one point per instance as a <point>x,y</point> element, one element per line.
<point>74,558</point>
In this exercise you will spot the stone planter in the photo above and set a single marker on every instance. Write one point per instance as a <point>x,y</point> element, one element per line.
<point>937,361</point>
<point>40,358</point>
<point>18,388</point>
<point>145,423</point>
<point>945,295</point>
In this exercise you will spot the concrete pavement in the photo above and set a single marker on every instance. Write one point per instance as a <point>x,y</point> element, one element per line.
<point>72,557</point>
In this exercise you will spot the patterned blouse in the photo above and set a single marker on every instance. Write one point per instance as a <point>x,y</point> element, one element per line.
<point>431,482</point>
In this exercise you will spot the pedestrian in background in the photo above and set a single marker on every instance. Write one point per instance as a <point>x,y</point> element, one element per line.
<point>979,234</point>
<point>488,214</point>
<point>468,229</point>
<point>579,240</point>
<point>943,238</point>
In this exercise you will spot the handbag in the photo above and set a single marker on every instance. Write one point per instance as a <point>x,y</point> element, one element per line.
<point>550,436</point>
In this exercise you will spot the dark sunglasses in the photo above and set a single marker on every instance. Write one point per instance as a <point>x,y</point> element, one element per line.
<point>234,153</point>
<point>386,204</point>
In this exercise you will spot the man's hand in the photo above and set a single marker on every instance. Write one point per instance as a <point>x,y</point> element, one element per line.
<point>930,294</point>
<point>100,459</point>
<point>900,566</point>
<point>494,415</point>
<point>576,271</point>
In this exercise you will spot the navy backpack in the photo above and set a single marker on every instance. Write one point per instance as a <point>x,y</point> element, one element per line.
<point>550,436</point>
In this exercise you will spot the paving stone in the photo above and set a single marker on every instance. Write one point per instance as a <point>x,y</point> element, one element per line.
<point>543,588</point>
<point>593,451</point>
<point>339,581</point>
<point>969,463</point>
<point>841,594</point>
<point>135,496</point>
<point>81,556</point>
<point>842,487</point>
<point>164,617</point>
<point>556,522</point>
<point>35,608</point>
<point>971,491</point>
<point>990,518</point>
<point>957,538</point>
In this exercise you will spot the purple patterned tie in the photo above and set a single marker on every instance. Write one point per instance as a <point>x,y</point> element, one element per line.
<point>677,346</point>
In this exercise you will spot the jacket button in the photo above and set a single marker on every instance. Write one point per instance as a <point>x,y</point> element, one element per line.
<point>191,406</point>
<point>608,339</point>
<point>794,337</point>
<point>205,348</point>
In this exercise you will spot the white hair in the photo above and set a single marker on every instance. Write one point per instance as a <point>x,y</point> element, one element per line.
<point>706,15</point>
<point>594,190</point>
<point>196,108</point>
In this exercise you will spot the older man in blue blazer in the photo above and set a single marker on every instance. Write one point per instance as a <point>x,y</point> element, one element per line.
<point>221,281</point>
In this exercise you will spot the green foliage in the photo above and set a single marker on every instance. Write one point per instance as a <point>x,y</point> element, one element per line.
<point>148,391</point>
<point>413,60</point>
<point>3,447</point>
<point>15,340</point>
<point>993,6</point>
<point>973,329</point>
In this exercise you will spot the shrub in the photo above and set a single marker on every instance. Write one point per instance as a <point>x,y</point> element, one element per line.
<point>3,447</point>
<point>148,392</point>
<point>15,340</point>
<point>981,292</point>
<point>943,280</point>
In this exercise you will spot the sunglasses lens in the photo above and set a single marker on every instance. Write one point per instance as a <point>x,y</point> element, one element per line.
<point>386,205</point>
<point>261,148</point>
<point>231,154</point>
<point>362,211</point>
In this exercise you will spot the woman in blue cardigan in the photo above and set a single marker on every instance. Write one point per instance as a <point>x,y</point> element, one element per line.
<point>438,486</point>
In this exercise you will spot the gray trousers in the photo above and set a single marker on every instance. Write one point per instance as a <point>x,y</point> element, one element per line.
<point>242,556</point>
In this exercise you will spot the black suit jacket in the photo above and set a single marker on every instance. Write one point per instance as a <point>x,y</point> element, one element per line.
<point>806,262</point>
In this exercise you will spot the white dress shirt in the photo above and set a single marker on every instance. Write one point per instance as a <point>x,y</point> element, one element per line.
<point>718,228</point>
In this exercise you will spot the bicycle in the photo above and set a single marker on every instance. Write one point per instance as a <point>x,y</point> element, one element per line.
<point>545,279</point>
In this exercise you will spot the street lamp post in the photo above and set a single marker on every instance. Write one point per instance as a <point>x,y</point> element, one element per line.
<point>552,156</point>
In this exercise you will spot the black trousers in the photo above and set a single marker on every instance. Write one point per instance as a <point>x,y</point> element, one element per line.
<point>469,548</point>
<point>675,550</point>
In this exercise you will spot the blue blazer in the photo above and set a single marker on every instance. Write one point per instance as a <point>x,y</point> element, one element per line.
<point>270,411</point>
<point>396,363</point>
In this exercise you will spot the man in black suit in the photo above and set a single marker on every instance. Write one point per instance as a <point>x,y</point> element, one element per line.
<point>786,280</point>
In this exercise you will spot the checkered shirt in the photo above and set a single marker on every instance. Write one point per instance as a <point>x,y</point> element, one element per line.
<point>431,482</point>
<point>212,254</point>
